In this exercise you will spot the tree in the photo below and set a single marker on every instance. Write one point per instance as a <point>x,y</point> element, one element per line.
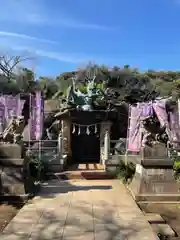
<point>25,80</point>
<point>48,86</point>
<point>8,64</point>
<point>128,83</point>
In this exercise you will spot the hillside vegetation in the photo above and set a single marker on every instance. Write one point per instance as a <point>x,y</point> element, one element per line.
<point>131,84</point>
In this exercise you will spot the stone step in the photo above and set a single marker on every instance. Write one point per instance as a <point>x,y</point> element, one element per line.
<point>154,218</point>
<point>86,175</point>
<point>90,175</point>
<point>86,167</point>
<point>167,197</point>
<point>163,229</point>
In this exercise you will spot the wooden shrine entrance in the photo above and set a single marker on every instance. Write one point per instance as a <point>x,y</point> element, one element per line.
<point>86,136</point>
<point>85,144</point>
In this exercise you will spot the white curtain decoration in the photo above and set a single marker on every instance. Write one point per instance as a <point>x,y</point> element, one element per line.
<point>74,129</point>
<point>79,130</point>
<point>87,128</point>
<point>95,130</point>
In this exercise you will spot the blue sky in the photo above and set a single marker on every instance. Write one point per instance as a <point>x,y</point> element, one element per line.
<point>61,35</point>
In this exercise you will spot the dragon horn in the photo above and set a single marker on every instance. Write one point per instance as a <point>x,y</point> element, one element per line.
<point>94,79</point>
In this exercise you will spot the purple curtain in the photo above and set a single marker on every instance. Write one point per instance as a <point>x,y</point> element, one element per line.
<point>137,113</point>
<point>134,139</point>
<point>37,115</point>
<point>147,109</point>
<point>13,105</point>
<point>174,126</point>
<point>143,110</point>
<point>160,110</point>
<point>2,113</point>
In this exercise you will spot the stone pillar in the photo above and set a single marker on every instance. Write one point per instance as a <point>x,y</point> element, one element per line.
<point>105,141</point>
<point>60,145</point>
<point>106,146</point>
<point>66,136</point>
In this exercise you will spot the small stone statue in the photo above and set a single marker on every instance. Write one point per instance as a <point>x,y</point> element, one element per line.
<point>9,131</point>
<point>153,133</point>
<point>52,131</point>
<point>20,123</point>
<point>13,133</point>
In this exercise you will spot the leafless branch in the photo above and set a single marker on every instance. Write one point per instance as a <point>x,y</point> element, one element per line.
<point>9,63</point>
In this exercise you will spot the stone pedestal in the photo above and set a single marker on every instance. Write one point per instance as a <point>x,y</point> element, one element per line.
<point>15,179</point>
<point>154,177</point>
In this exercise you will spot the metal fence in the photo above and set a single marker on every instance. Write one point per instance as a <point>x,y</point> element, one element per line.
<point>44,150</point>
<point>118,146</point>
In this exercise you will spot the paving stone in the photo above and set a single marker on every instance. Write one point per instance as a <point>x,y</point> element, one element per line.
<point>108,231</point>
<point>18,228</point>
<point>111,227</point>
<point>55,214</point>
<point>78,214</point>
<point>77,225</point>
<point>106,215</point>
<point>81,205</point>
<point>80,236</point>
<point>14,237</point>
<point>47,231</point>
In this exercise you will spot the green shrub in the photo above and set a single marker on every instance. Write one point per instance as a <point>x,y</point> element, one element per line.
<point>177,170</point>
<point>125,172</point>
<point>176,166</point>
<point>36,167</point>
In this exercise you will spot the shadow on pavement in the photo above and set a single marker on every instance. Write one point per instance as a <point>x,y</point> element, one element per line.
<point>52,189</point>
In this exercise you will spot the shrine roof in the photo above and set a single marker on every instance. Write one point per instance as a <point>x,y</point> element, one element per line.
<point>93,115</point>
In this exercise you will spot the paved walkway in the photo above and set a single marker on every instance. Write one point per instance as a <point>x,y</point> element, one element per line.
<point>75,210</point>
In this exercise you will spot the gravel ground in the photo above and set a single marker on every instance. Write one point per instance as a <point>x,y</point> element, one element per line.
<point>7,212</point>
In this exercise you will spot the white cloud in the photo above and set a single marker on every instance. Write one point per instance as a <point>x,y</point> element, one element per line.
<point>24,36</point>
<point>18,44</point>
<point>62,57</point>
<point>38,13</point>
<point>35,53</point>
<point>72,23</point>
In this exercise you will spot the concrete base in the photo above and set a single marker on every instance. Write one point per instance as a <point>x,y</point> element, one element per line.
<point>114,160</point>
<point>10,151</point>
<point>154,181</point>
